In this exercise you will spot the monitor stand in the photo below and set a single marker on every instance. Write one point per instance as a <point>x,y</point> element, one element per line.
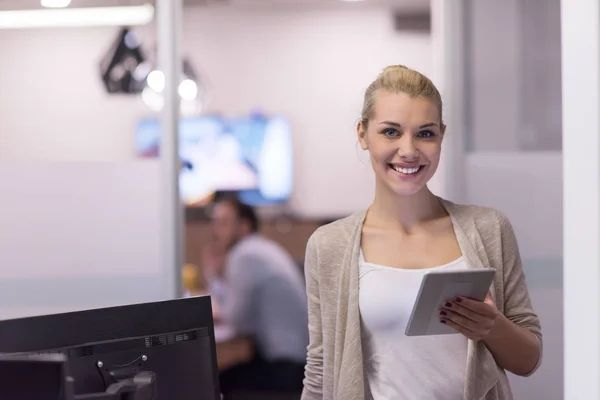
<point>141,387</point>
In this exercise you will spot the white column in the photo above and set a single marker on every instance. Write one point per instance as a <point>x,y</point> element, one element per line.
<point>580,23</point>
<point>169,15</point>
<point>449,56</point>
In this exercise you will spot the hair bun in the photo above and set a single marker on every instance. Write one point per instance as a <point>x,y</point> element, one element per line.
<point>395,68</point>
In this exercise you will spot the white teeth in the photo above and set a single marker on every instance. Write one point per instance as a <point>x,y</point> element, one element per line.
<point>407,171</point>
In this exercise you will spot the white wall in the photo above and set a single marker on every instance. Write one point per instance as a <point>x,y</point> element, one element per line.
<point>52,104</point>
<point>78,236</point>
<point>310,65</point>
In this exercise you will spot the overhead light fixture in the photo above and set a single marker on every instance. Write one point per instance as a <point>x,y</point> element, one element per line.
<point>124,67</point>
<point>55,3</point>
<point>77,17</point>
<point>192,91</point>
<point>188,90</point>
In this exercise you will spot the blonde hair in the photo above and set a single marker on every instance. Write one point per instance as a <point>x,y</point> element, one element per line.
<point>399,79</point>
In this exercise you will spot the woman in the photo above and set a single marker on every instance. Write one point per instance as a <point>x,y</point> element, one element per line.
<point>363,272</point>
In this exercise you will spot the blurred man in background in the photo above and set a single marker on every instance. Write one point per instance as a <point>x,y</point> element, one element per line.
<point>264,302</point>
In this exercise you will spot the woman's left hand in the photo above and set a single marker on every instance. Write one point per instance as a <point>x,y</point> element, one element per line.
<point>474,319</point>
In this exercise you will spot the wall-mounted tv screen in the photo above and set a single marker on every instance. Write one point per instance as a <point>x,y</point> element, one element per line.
<point>251,156</point>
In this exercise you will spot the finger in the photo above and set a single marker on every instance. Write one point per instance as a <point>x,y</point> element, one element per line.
<point>479,307</point>
<point>460,320</point>
<point>472,330</point>
<point>461,329</point>
<point>464,311</point>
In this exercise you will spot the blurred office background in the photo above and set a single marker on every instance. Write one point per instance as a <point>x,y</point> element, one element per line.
<point>80,204</point>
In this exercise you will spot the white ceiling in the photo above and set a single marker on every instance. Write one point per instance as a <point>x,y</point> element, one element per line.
<point>401,5</point>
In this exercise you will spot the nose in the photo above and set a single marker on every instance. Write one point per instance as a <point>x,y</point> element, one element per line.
<point>407,149</point>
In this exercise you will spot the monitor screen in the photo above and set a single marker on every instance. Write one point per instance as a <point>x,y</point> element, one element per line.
<point>252,156</point>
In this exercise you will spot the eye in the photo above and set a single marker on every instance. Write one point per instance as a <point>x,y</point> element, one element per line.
<point>426,134</point>
<point>389,132</point>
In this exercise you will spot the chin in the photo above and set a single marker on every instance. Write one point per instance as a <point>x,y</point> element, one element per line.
<point>407,190</point>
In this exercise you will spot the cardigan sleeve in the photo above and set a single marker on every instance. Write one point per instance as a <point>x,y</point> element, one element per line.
<point>517,304</point>
<point>313,380</point>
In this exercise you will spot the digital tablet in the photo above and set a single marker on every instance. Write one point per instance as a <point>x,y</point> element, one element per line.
<point>438,287</point>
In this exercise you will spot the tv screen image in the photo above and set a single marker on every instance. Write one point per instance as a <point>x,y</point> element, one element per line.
<point>252,156</point>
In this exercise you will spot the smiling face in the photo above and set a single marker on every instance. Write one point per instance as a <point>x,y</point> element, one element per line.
<point>404,139</point>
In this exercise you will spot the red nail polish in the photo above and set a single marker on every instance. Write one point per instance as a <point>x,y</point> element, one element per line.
<point>443,313</point>
<point>448,304</point>
<point>442,321</point>
<point>458,300</point>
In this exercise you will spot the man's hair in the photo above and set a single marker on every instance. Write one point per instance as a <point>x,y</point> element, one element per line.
<point>244,213</point>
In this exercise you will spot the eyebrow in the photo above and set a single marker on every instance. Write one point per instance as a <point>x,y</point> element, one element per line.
<point>397,125</point>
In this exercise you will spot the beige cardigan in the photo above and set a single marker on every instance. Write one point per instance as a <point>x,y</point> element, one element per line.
<point>334,368</point>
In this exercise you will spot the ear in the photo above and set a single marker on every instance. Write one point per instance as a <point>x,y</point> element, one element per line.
<point>362,135</point>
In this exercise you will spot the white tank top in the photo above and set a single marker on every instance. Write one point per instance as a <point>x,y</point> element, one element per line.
<point>399,367</point>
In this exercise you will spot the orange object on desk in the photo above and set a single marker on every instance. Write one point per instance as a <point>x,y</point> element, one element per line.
<point>190,278</point>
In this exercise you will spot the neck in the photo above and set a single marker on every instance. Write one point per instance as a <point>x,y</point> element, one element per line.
<point>405,211</point>
<point>239,238</point>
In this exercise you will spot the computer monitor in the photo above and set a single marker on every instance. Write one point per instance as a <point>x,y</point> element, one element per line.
<point>34,378</point>
<point>174,340</point>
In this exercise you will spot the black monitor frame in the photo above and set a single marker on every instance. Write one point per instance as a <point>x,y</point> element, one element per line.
<point>74,331</point>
